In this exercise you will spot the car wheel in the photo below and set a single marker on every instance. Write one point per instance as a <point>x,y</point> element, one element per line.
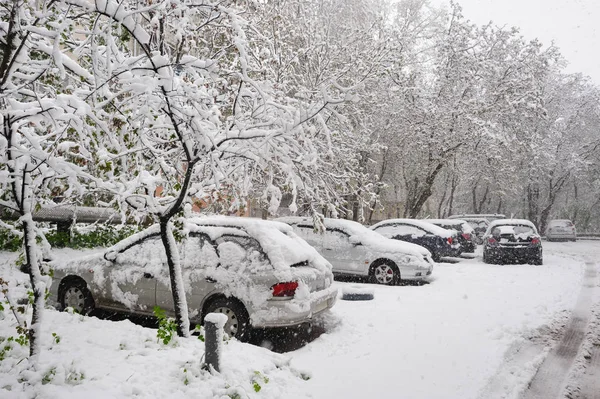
<point>538,261</point>
<point>238,321</point>
<point>385,273</point>
<point>75,294</point>
<point>486,258</point>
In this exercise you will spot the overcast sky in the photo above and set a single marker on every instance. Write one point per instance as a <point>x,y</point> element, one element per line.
<point>573,25</point>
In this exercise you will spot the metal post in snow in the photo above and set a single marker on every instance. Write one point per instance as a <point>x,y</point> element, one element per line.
<point>213,340</point>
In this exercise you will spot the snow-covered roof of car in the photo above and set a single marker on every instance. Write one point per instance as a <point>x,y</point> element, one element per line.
<point>428,226</point>
<point>363,233</point>
<point>466,227</point>
<point>511,222</point>
<point>283,247</point>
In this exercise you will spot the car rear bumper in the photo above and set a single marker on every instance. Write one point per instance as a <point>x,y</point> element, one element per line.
<point>521,253</point>
<point>288,313</point>
<point>469,247</point>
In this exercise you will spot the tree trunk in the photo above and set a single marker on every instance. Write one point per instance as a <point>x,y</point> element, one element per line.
<point>415,202</point>
<point>37,286</point>
<point>533,197</point>
<point>452,192</point>
<point>175,275</point>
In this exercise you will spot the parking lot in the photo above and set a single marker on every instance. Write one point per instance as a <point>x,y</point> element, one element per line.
<point>474,331</point>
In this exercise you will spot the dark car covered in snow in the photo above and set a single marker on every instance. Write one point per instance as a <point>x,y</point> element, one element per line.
<point>512,241</point>
<point>439,241</point>
<point>466,234</point>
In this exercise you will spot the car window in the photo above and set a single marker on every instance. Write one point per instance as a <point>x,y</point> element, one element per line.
<point>388,230</point>
<point>148,253</point>
<point>308,234</point>
<point>198,252</point>
<point>514,230</point>
<point>335,239</point>
<point>405,229</point>
<point>241,254</point>
<point>561,223</point>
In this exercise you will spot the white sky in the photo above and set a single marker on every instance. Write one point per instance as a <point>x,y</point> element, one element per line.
<point>573,25</point>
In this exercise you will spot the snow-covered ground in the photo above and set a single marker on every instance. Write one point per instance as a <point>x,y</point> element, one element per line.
<point>446,339</point>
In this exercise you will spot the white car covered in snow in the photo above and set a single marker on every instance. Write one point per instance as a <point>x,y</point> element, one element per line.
<point>354,249</point>
<point>258,273</point>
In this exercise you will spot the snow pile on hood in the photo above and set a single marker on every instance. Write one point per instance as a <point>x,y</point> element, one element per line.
<point>425,225</point>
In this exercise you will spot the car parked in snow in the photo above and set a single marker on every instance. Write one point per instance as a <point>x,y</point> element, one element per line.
<point>356,250</point>
<point>561,229</point>
<point>512,241</point>
<point>439,241</point>
<point>258,273</point>
<point>466,235</point>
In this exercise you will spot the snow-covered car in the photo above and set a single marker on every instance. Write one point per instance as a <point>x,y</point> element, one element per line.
<point>561,229</point>
<point>512,241</point>
<point>466,233</point>
<point>439,241</point>
<point>479,226</point>
<point>258,273</point>
<point>356,250</point>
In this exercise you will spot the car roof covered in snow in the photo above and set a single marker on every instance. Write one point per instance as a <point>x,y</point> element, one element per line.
<point>278,240</point>
<point>466,227</point>
<point>511,222</point>
<point>427,226</point>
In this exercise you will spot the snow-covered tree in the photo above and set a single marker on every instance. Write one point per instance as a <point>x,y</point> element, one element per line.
<point>44,121</point>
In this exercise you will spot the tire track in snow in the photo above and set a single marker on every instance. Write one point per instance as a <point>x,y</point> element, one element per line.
<point>551,377</point>
<point>590,383</point>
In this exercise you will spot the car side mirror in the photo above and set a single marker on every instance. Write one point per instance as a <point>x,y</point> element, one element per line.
<point>110,256</point>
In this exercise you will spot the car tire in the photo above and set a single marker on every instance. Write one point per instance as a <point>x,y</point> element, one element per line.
<point>538,261</point>
<point>238,321</point>
<point>75,294</point>
<point>487,258</point>
<point>384,273</point>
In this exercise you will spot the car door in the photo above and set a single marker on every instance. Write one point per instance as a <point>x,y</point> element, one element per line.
<point>132,276</point>
<point>338,250</point>
<point>196,254</point>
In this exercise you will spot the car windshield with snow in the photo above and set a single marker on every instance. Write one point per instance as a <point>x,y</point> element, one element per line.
<point>512,241</point>
<point>354,249</point>
<point>440,242</point>
<point>258,273</point>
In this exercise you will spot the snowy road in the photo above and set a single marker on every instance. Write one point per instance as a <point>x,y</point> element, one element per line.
<point>476,331</point>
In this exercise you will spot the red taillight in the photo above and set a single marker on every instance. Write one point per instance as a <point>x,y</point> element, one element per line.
<point>466,236</point>
<point>285,289</point>
<point>450,240</point>
<point>535,241</point>
<point>492,240</point>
